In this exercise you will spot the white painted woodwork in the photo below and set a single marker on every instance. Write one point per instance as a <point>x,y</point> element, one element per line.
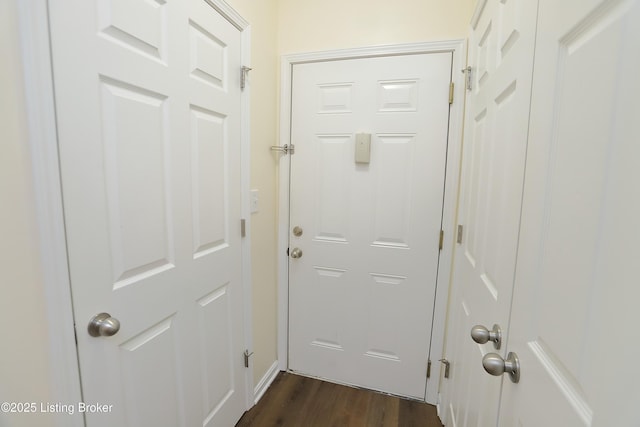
<point>362,295</point>
<point>501,44</point>
<point>148,110</point>
<point>575,318</point>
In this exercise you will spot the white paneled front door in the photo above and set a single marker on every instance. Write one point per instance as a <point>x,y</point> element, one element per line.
<point>501,45</point>
<point>575,318</point>
<point>362,291</point>
<point>148,108</point>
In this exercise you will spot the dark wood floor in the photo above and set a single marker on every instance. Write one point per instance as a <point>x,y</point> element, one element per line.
<point>296,401</point>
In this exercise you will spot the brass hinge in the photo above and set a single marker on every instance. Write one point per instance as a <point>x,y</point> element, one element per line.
<point>441,244</point>
<point>243,227</point>
<point>451,87</point>
<point>246,355</point>
<point>460,230</point>
<point>429,368</point>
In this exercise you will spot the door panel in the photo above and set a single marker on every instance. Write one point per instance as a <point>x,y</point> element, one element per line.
<point>148,107</point>
<point>501,46</point>
<point>575,288</point>
<point>361,296</point>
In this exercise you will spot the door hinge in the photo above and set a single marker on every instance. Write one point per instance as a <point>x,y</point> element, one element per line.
<point>467,73</point>
<point>447,367</point>
<point>243,76</point>
<point>459,237</point>
<point>441,243</point>
<point>243,227</point>
<point>429,368</point>
<point>247,355</point>
<point>451,87</point>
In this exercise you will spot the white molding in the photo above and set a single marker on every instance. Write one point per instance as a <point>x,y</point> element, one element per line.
<point>43,144</point>
<point>283,216</point>
<point>449,221</point>
<point>477,13</point>
<point>245,148</point>
<point>457,47</point>
<point>229,13</point>
<point>41,117</point>
<point>265,382</point>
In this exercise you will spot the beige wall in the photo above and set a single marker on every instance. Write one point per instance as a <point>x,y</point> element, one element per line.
<point>24,372</point>
<point>262,15</point>
<point>312,25</point>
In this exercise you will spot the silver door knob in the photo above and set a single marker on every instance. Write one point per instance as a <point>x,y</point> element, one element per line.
<point>296,253</point>
<point>482,335</point>
<point>103,325</point>
<point>496,365</point>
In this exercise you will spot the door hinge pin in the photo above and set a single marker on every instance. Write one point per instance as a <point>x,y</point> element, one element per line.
<point>460,231</point>
<point>447,367</point>
<point>441,242</point>
<point>243,76</point>
<point>243,227</point>
<point>451,87</point>
<point>247,355</point>
<point>429,368</point>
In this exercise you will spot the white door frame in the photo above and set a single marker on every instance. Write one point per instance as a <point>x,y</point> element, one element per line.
<point>456,47</point>
<point>43,143</point>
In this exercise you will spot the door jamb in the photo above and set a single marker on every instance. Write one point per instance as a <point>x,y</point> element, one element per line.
<point>457,48</point>
<point>39,95</point>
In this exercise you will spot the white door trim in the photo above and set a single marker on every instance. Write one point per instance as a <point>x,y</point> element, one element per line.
<point>451,186</point>
<point>43,143</point>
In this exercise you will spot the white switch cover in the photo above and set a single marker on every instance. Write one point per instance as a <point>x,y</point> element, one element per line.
<point>363,147</point>
<point>254,201</point>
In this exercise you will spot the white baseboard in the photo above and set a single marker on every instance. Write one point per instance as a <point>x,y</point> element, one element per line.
<point>266,381</point>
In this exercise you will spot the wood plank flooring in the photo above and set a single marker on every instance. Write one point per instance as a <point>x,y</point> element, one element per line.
<point>296,401</point>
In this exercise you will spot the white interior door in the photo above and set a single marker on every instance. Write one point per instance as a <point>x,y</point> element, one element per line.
<point>148,108</point>
<point>501,46</point>
<point>575,318</point>
<point>362,293</point>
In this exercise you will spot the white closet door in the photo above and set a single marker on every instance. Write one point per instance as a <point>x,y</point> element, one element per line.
<point>501,44</point>
<point>148,109</point>
<point>575,313</point>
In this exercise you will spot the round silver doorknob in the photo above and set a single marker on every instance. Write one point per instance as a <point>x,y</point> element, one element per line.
<point>296,253</point>
<point>482,335</point>
<point>103,325</point>
<point>496,365</point>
